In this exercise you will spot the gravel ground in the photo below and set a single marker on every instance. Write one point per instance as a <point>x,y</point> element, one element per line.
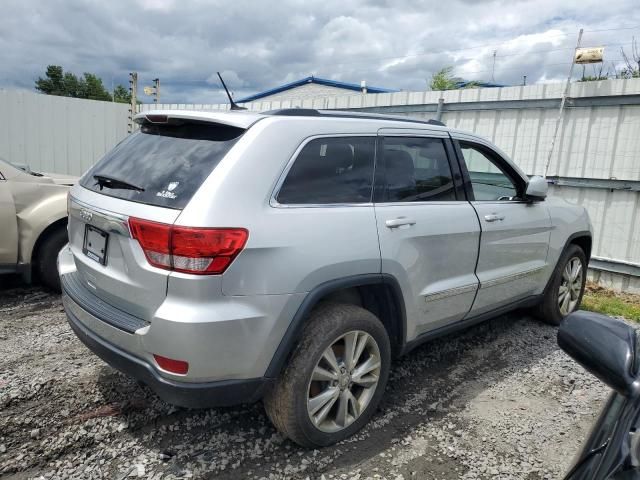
<point>499,400</point>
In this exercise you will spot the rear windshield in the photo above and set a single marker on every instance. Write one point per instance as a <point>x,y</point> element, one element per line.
<point>162,164</point>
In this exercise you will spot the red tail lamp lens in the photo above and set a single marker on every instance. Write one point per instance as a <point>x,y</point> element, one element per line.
<point>154,239</point>
<point>200,251</point>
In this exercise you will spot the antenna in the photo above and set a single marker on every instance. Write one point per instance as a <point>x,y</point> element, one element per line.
<point>233,104</point>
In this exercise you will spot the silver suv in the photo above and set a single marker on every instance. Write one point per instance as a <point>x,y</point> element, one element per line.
<point>227,257</point>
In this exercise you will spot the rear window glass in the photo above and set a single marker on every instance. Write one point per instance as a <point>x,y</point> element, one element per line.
<point>166,163</point>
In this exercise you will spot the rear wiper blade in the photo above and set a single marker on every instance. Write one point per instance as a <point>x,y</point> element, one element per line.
<point>112,182</point>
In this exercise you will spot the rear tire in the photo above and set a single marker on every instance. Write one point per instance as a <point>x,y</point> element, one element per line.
<point>48,256</point>
<point>320,369</point>
<point>566,287</point>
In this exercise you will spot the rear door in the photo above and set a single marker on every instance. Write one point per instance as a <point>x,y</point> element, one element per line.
<point>151,175</point>
<point>428,232</point>
<point>515,233</point>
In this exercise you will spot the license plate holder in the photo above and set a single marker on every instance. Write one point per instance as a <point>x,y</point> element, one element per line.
<point>95,244</point>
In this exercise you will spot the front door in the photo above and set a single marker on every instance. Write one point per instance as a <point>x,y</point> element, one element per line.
<point>428,232</point>
<point>515,233</point>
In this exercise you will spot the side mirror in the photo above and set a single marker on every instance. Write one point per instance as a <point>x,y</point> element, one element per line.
<point>536,189</point>
<point>604,346</point>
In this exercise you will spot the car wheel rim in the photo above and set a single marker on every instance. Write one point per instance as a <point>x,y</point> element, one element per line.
<point>343,381</point>
<point>570,286</point>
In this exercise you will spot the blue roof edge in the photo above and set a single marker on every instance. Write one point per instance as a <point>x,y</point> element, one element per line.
<point>316,80</point>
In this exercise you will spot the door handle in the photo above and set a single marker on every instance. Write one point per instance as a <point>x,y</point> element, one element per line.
<point>493,217</point>
<point>399,222</point>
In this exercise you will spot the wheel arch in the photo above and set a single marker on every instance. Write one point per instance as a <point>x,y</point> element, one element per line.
<point>378,293</point>
<point>582,239</point>
<point>60,223</point>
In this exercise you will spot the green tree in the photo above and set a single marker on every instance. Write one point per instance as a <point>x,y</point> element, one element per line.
<point>72,86</point>
<point>66,84</point>
<point>93,89</point>
<point>53,83</point>
<point>443,79</point>
<point>121,94</point>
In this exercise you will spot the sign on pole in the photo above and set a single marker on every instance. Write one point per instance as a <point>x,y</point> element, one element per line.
<point>589,55</point>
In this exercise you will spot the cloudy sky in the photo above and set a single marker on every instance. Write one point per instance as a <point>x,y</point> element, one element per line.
<point>261,44</point>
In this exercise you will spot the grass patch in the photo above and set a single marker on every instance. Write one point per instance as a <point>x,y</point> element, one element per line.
<point>605,301</point>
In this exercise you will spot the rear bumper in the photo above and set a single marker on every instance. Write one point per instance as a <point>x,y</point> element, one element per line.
<point>223,338</point>
<point>192,395</point>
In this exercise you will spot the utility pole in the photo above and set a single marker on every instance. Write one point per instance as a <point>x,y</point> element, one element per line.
<point>493,68</point>
<point>156,86</point>
<point>133,91</point>
<point>153,91</point>
<point>565,94</point>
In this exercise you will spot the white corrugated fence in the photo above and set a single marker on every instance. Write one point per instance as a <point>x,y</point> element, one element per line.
<point>58,134</point>
<point>599,139</point>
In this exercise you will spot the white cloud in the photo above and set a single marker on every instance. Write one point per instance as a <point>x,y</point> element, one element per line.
<point>259,45</point>
<point>164,5</point>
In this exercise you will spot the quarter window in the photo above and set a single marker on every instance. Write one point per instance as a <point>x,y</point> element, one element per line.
<point>330,171</point>
<point>488,181</point>
<point>416,169</point>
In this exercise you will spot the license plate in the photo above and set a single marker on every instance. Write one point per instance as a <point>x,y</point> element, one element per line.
<point>95,244</point>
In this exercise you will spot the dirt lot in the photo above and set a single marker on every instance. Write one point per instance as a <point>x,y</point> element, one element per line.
<point>497,401</point>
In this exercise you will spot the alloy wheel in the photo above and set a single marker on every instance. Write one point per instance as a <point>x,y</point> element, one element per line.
<point>570,286</point>
<point>343,381</point>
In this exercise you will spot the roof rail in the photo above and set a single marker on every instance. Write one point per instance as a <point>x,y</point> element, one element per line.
<point>294,112</point>
<point>311,112</point>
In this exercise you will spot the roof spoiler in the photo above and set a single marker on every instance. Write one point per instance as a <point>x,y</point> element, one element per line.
<point>220,118</point>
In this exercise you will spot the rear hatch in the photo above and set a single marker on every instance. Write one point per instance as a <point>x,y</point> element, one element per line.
<point>150,176</point>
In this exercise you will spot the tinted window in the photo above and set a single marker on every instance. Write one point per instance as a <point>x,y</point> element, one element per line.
<point>416,169</point>
<point>488,181</point>
<point>169,161</point>
<point>331,170</point>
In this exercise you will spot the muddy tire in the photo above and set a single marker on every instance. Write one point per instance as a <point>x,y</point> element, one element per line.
<point>47,258</point>
<point>334,379</point>
<point>564,293</point>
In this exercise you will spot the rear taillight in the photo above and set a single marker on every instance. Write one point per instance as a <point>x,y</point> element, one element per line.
<point>201,251</point>
<point>154,238</point>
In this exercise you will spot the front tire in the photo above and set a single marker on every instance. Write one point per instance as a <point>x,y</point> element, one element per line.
<point>566,288</point>
<point>335,378</point>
